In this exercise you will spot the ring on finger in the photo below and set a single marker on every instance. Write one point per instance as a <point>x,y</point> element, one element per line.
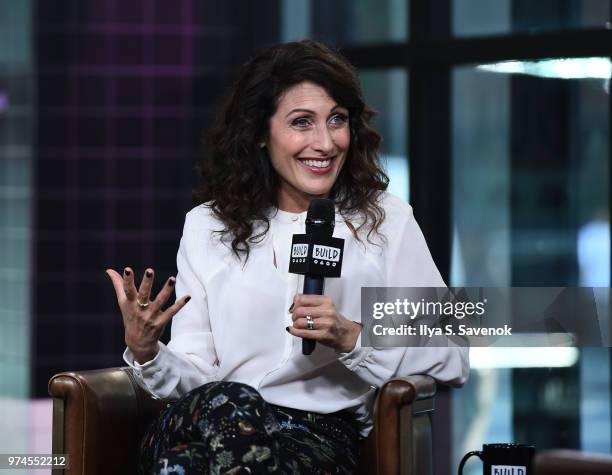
<point>142,305</point>
<point>309,322</point>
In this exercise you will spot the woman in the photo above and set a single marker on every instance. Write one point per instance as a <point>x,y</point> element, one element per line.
<point>295,127</point>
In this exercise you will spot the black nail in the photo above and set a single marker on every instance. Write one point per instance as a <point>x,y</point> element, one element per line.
<point>149,274</point>
<point>127,272</point>
<point>187,299</point>
<point>171,282</point>
<point>291,308</point>
<point>287,328</point>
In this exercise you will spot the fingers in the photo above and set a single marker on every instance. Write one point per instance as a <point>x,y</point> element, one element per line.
<point>124,285</point>
<point>317,323</point>
<point>117,282</point>
<point>311,300</point>
<point>320,311</point>
<point>144,291</point>
<point>128,283</point>
<point>308,334</point>
<point>164,294</point>
<point>303,305</point>
<point>171,311</point>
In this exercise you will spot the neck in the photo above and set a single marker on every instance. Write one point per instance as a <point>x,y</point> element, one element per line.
<point>295,202</point>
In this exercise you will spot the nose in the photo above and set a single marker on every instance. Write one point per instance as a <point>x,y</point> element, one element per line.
<point>323,141</point>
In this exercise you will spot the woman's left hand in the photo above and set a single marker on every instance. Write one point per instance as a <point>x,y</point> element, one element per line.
<point>329,327</point>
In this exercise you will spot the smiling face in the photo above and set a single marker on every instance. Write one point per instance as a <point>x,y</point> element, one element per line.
<point>308,142</point>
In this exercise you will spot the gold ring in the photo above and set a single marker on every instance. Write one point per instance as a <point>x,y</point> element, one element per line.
<point>142,305</point>
<point>309,322</point>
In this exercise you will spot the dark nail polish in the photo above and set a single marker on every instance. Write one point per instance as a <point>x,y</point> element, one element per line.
<point>171,282</point>
<point>291,308</point>
<point>287,328</point>
<point>127,272</point>
<point>149,274</point>
<point>187,299</point>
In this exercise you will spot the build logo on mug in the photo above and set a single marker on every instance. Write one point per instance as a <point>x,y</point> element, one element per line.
<point>503,459</point>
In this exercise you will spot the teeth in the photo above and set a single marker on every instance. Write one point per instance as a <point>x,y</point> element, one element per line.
<point>317,163</point>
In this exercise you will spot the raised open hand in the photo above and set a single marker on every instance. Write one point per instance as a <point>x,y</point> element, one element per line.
<point>143,318</point>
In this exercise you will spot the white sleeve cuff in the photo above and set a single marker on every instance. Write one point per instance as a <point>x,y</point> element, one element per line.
<point>154,375</point>
<point>151,367</point>
<point>128,357</point>
<point>355,357</point>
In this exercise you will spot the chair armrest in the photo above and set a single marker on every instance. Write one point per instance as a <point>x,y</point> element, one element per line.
<point>572,462</point>
<point>401,440</point>
<point>99,417</point>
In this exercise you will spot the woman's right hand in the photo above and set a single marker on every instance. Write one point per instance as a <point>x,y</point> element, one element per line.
<point>143,318</point>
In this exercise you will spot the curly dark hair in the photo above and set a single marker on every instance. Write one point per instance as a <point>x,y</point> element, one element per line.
<point>237,179</point>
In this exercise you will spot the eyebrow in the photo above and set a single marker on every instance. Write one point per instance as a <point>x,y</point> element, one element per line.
<point>308,111</point>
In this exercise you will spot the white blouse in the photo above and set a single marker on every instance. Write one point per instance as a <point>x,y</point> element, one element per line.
<point>233,328</point>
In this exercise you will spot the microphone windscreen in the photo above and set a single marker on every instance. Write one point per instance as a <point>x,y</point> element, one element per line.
<point>321,217</point>
<point>321,209</point>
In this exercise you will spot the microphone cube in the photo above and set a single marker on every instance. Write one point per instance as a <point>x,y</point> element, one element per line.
<point>316,256</point>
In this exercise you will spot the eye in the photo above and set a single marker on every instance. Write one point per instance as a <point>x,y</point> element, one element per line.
<point>301,122</point>
<point>338,120</point>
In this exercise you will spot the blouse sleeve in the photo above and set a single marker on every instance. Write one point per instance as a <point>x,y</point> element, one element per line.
<point>408,263</point>
<point>189,360</point>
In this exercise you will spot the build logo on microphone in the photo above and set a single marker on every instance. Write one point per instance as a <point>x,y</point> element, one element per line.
<point>325,255</point>
<point>299,252</point>
<point>321,257</point>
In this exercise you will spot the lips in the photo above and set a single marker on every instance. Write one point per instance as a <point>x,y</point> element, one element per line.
<point>316,166</point>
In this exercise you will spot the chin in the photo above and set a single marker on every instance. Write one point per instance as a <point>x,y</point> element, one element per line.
<point>316,191</point>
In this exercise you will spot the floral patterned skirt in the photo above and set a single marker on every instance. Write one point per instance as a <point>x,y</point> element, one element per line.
<point>227,428</point>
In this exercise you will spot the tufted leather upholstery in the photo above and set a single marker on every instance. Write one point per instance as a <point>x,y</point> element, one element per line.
<point>99,417</point>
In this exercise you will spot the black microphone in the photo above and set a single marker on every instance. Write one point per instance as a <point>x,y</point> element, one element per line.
<point>317,254</point>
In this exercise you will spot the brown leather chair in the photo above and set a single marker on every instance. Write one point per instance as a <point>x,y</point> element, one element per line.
<point>100,416</point>
<point>572,462</point>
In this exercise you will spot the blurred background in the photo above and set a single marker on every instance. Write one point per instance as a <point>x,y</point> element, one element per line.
<point>496,125</point>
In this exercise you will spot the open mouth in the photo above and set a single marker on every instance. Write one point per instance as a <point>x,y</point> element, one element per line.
<point>317,166</point>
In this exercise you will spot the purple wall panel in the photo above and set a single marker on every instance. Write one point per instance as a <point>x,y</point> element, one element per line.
<point>124,92</point>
